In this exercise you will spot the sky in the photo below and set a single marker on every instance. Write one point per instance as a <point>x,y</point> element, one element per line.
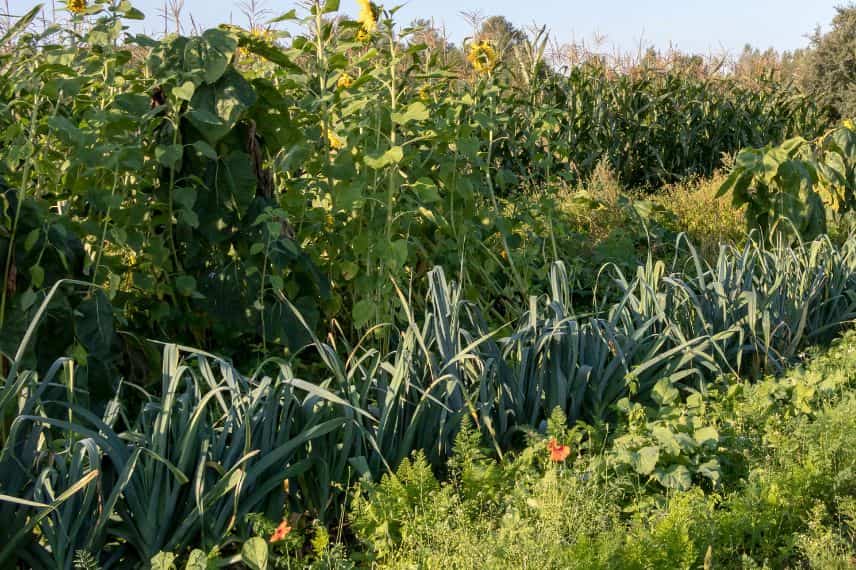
<point>695,26</point>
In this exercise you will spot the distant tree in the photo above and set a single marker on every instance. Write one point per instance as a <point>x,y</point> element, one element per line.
<point>438,45</point>
<point>501,33</point>
<point>830,72</point>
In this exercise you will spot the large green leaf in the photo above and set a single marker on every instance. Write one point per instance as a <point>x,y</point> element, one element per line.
<point>208,56</point>
<point>216,108</point>
<point>236,181</point>
<point>254,553</point>
<point>675,477</point>
<point>645,460</point>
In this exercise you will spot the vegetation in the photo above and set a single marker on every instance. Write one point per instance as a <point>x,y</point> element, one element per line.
<point>754,475</point>
<point>830,67</point>
<point>796,181</point>
<point>197,182</point>
<point>498,310</point>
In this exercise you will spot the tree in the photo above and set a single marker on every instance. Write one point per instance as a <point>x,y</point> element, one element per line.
<point>501,33</point>
<point>831,65</point>
<point>437,43</point>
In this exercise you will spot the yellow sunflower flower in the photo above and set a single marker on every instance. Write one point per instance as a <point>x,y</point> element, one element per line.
<point>367,16</point>
<point>77,6</point>
<point>363,36</point>
<point>424,92</point>
<point>335,141</point>
<point>344,81</point>
<point>482,56</point>
<point>257,34</point>
<point>848,123</point>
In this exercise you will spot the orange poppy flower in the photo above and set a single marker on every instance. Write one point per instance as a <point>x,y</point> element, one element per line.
<point>558,452</point>
<point>281,531</point>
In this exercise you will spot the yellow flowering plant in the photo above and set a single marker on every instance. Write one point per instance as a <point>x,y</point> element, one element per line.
<point>344,81</point>
<point>76,6</point>
<point>367,16</point>
<point>363,36</point>
<point>335,141</point>
<point>257,35</point>
<point>482,56</point>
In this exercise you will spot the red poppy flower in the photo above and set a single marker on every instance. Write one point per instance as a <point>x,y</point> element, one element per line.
<point>558,452</point>
<point>281,531</point>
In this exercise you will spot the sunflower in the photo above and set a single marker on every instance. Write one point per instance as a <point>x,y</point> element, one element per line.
<point>425,92</point>
<point>77,6</point>
<point>363,36</point>
<point>482,56</point>
<point>367,16</point>
<point>335,141</point>
<point>257,35</point>
<point>344,81</point>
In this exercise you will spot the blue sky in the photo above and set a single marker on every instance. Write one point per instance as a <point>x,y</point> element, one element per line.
<point>691,25</point>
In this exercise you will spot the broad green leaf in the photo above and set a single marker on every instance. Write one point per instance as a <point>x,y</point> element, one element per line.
<point>185,285</point>
<point>184,91</point>
<point>205,149</point>
<point>391,156</point>
<point>426,190</point>
<point>31,239</point>
<point>349,270</point>
<point>287,16</point>
<point>667,440</point>
<point>348,197</point>
<point>664,393</point>
<point>398,253</point>
<point>169,155</point>
<point>128,12</point>
<point>645,460</point>
<point>263,48</point>
<point>227,100</point>
<point>37,276</point>
<point>706,435</point>
<point>711,470</point>
<point>728,183</point>
<point>196,561</point>
<point>163,561</point>
<point>254,553</point>
<point>674,477</point>
<point>236,181</point>
<point>221,47</point>
<point>207,57</point>
<point>363,312</point>
<point>330,6</point>
<point>67,131</point>
<point>416,111</point>
<point>185,196</point>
